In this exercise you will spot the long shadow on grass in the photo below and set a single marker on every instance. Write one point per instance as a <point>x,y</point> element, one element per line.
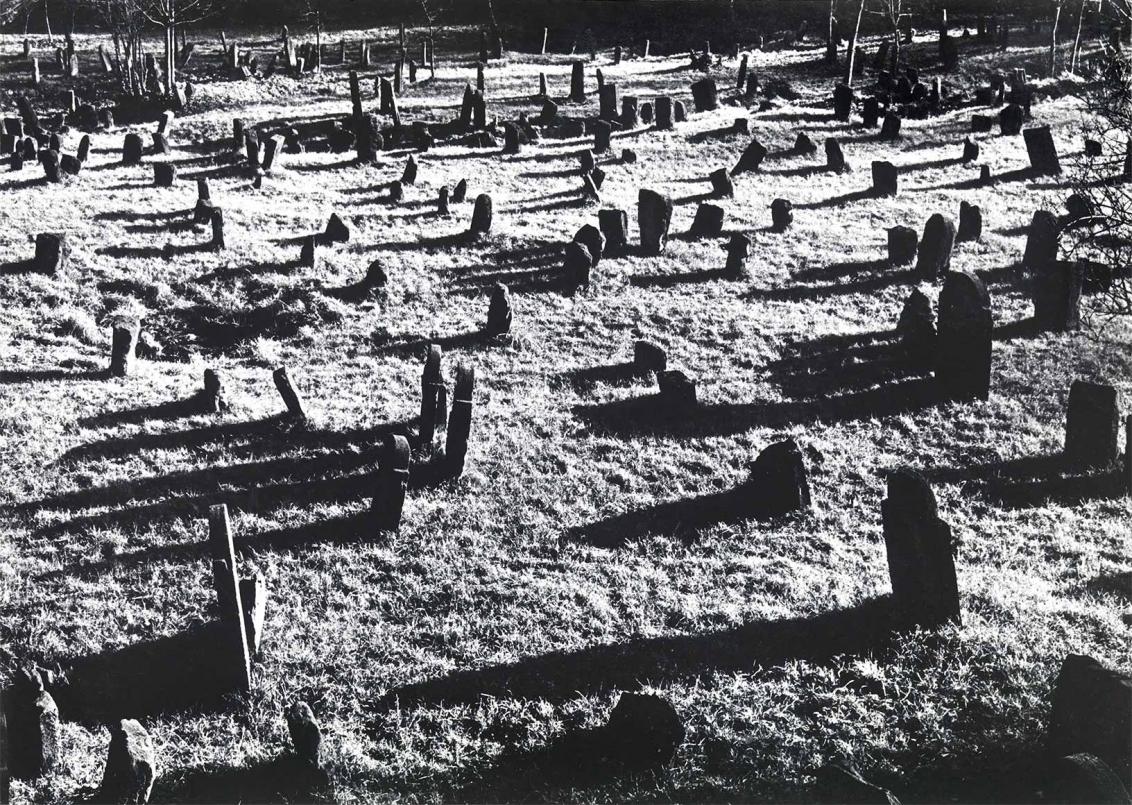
<point>650,415</point>
<point>631,664</point>
<point>806,293</point>
<point>283,779</point>
<point>817,368</point>
<point>1036,481</point>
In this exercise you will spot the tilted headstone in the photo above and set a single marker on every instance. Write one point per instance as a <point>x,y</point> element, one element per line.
<point>933,259</point>
<point>392,481</point>
<point>704,95</point>
<point>614,225</point>
<point>738,250</point>
<point>336,230</point>
<point>1092,425</point>
<point>498,311</point>
<point>460,191</point>
<point>594,241</point>
<point>648,357</point>
<point>970,150</point>
<point>131,766</point>
<point>32,721</point>
<point>460,420</point>
<point>834,158</point>
<point>925,592</point>
<point>721,185</point>
<point>576,265</point>
<point>287,392</point>
<point>677,390</point>
<point>1091,711</point>
<point>751,159</point>
<point>481,216</point>
<point>964,346</point>
<point>885,179</point>
<point>970,223</point>
<point>1042,151</point>
<point>654,216</point>
<point>778,483</point>
<point>236,665</point>
<point>804,145</point>
<point>781,214</point>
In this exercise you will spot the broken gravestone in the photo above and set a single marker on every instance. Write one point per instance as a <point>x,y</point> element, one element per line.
<point>130,764</point>
<point>654,216</point>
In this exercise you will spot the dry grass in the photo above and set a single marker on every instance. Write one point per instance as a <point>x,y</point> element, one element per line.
<point>100,545</point>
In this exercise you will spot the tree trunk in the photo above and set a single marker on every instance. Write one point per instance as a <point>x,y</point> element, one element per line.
<point>1077,40</point>
<point>47,21</point>
<point>1053,40</point>
<point>853,44</point>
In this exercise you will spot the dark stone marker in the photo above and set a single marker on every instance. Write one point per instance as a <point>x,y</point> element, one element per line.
<point>590,236</point>
<point>842,102</point>
<point>916,331</point>
<point>409,175</point>
<point>1091,711</point>
<point>646,113</point>
<point>460,420</point>
<point>306,735</point>
<point>781,214</point>
<point>549,111</point>
<point>226,581</point>
<point>834,158</point>
<point>704,95</point>
<point>32,720</point>
<point>577,82</point>
<point>982,124</point>
<point>481,216</point>
<point>49,159</point>
<point>970,223</point>
<point>779,481</point>
<point>1092,148</point>
<point>1092,425</point>
<point>751,159</point>
<point>576,264</point>
<point>123,345</point>
<point>885,179</point>
<point>460,192</point>
<point>308,253</point>
<point>498,311</point>
<point>442,202</point>
<point>212,400</point>
<point>392,481</point>
<point>432,393</point>
<point>963,359</point>
<point>708,222</point>
<point>738,249</point>
<point>924,588</point>
<point>663,112</point>
<point>607,102</point>
<point>1055,289</point>
<point>51,252</point>
<point>629,113</point>
<point>649,357</point>
<point>644,730</point>
<point>614,225</point>
<point>677,390</point>
<point>130,764</point>
<point>890,128</point>
<point>217,222</point>
<point>1042,151</point>
<point>679,115</point>
<point>804,145</point>
<point>336,230</point>
<point>161,144</point>
<point>602,131</point>
<point>933,260</point>
<point>870,112</point>
<point>1010,120</point>
<point>288,393</point>
<point>164,174</point>
<point>741,78</point>
<point>132,149</point>
<point>1041,240</point>
<point>1082,778</point>
<point>721,186</point>
<point>512,138</point>
<point>970,150</point>
<point>654,216</point>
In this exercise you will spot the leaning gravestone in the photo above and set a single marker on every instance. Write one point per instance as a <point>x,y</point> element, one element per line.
<point>594,241</point>
<point>834,158</point>
<point>970,150</point>
<point>721,185</point>
<point>236,666</point>
<point>1042,151</point>
<point>460,420</point>
<point>804,145</point>
<point>392,481</point>
<point>933,260</point>
<point>751,159</point>
<point>963,358</point>
<point>654,216</point>
<point>287,391</point>
<point>924,588</point>
<point>576,264</point>
<point>130,764</point>
<point>1092,425</point>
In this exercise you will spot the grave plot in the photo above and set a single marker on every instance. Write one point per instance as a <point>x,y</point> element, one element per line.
<point>508,432</point>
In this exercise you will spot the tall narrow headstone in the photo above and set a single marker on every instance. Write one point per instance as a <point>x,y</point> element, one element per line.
<point>460,420</point>
<point>614,225</point>
<point>1092,425</point>
<point>236,664</point>
<point>933,260</point>
<point>498,311</point>
<point>1042,151</point>
<point>432,390</point>
<point>122,345</point>
<point>287,392</point>
<point>654,216</point>
<point>963,359</point>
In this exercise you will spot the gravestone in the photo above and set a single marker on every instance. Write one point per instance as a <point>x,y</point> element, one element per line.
<point>576,264</point>
<point>602,131</point>
<point>614,225</point>
<point>164,174</point>
<point>594,241</point>
<point>834,158</point>
<point>708,222</point>
<point>970,223</point>
<point>306,735</point>
<point>607,102</point>
<point>236,669</point>
<point>130,764</point>
<point>1093,147</point>
<point>123,345</point>
<point>432,396</point>
<point>925,592</point>
<point>704,95</point>
<point>549,112</point>
<point>161,145</point>
<point>648,357</point>
<point>442,202</point>
<point>647,113</point>
<point>1055,289</point>
<point>1042,240</point>
<point>963,357</point>
<point>212,400</point>
<point>654,216</point>
<point>271,147</point>
<point>392,481</point>
<point>577,82</point>
<point>481,216</point>
<point>1092,425</point>
<point>677,390</point>
<point>970,150</point>
<point>49,159</point>
<point>52,250</point>
<point>738,250</point>
<point>336,230</point>
<point>804,145</point>
<point>409,175</point>
<point>629,113</point>
<point>933,259</point>
<point>1010,120</point>
<point>32,721</point>
<point>663,111</point>
<point>460,192</point>
<point>778,483</point>
<point>916,331</point>
<point>287,392</point>
<point>460,420</point>
<point>644,731</point>
<point>842,102</point>
<point>751,159</point>
<point>741,78</point>
<point>870,112</point>
<point>982,124</point>
<point>1082,777</point>
<point>885,179</point>
<point>1042,151</point>
<point>1091,711</point>
<point>217,222</point>
<point>679,115</point>
<point>742,125</point>
<point>721,186</point>
<point>890,128</point>
<point>498,311</point>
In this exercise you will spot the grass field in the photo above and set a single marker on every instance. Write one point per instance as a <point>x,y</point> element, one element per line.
<point>448,661</point>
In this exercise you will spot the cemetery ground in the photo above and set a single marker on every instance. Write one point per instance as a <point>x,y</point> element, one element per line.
<point>466,655</point>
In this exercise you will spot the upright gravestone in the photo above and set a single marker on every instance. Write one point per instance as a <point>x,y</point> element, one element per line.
<point>576,264</point>
<point>32,721</point>
<point>842,102</point>
<point>649,357</point>
<point>870,112</point>
<point>721,184</point>
<point>1055,289</point>
<point>392,481</point>
<point>1042,151</point>
<point>481,216</point>
<point>607,101</point>
<point>1091,711</point>
<point>630,116</point>
<point>1010,120</point>
<point>432,396</point>
<point>970,223</point>
<point>594,241</point>
<point>885,179</point>
<point>781,214</point>
<point>498,311</point>
<point>963,358</point>
<point>122,347</point>
<point>834,157</point>
<point>460,420</point>
<point>663,112</point>
<point>235,668</point>
<point>925,592</point>
<point>52,251</point>
<point>164,174</point>
<point>778,483</point>
<point>738,250</point>
<point>1042,239</point>
<point>614,225</point>
<point>970,150</point>
<point>704,95</point>
<point>708,222</point>
<point>654,216</point>
<point>1092,425</point>
<point>916,331</point>
<point>602,131</point>
<point>933,260</point>
<point>577,82</point>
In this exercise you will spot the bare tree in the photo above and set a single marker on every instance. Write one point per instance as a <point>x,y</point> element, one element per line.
<point>853,45</point>
<point>892,11</point>
<point>169,14</point>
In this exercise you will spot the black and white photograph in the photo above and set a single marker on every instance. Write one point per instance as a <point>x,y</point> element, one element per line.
<point>565,401</point>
